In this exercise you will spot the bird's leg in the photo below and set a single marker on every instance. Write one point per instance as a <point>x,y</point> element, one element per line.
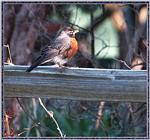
<point>61,66</point>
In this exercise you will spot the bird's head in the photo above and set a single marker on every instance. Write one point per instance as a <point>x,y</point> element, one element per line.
<point>70,31</point>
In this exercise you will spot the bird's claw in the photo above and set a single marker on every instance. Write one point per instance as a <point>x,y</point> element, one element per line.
<point>61,66</point>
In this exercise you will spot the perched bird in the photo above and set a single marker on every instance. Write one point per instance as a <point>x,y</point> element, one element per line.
<point>60,51</point>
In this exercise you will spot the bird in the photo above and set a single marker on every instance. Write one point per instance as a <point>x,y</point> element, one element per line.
<point>60,51</point>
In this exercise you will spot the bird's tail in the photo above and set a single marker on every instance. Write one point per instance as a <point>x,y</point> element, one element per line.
<point>32,67</point>
<point>35,64</point>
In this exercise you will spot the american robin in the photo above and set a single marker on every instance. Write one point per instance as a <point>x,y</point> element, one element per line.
<point>61,50</point>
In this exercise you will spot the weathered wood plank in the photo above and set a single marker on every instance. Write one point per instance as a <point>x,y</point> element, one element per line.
<point>76,83</point>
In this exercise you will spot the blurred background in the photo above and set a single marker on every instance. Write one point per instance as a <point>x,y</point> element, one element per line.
<point>112,36</point>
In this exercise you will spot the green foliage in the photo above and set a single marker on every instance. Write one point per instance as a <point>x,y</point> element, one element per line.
<point>73,125</point>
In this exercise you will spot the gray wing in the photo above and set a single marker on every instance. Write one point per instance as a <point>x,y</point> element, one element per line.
<point>62,43</point>
<point>46,56</point>
<point>58,47</point>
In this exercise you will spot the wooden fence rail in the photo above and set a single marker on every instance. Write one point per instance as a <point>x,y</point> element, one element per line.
<point>75,83</point>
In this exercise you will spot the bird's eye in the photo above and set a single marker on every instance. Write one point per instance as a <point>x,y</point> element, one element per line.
<point>71,32</point>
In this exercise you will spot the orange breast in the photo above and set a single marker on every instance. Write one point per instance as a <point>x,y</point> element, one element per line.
<point>74,47</point>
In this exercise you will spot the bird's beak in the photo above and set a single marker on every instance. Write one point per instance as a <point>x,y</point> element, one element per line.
<point>76,31</point>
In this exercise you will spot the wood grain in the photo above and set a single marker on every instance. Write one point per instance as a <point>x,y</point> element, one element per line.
<point>75,83</point>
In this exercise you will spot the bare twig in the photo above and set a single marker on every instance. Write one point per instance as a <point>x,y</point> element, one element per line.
<point>92,35</point>
<point>34,120</point>
<point>99,114</point>
<point>9,55</point>
<point>35,107</point>
<point>99,19</point>
<point>6,124</point>
<point>103,127</point>
<point>28,129</point>
<point>123,62</point>
<point>101,50</point>
<point>7,46</point>
<point>54,8</point>
<point>50,114</point>
<point>25,110</point>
